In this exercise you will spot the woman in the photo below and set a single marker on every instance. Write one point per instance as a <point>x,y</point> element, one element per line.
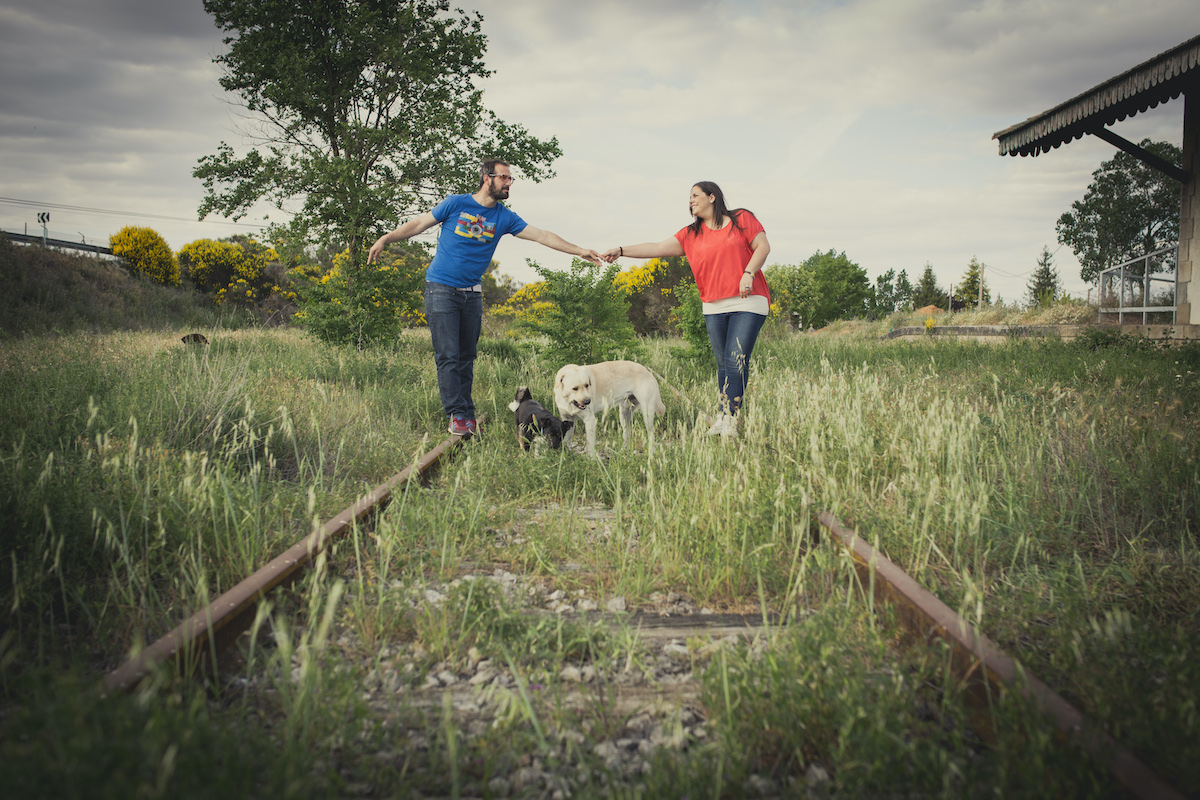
<point>726,251</point>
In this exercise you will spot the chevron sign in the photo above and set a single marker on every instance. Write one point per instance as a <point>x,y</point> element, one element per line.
<point>44,217</point>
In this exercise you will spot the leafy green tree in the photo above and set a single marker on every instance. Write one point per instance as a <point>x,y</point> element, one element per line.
<point>369,112</point>
<point>891,293</point>
<point>1044,285</point>
<point>904,291</point>
<point>843,288</point>
<point>147,253</point>
<point>927,292</point>
<point>1130,209</point>
<point>587,319</point>
<point>967,292</point>
<point>793,292</point>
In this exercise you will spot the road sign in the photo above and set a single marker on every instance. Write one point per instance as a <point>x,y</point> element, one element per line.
<point>44,217</point>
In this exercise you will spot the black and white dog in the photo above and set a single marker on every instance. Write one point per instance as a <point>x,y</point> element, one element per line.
<point>533,418</point>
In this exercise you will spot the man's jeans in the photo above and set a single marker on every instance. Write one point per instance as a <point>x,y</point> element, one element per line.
<point>455,318</point>
<point>732,337</point>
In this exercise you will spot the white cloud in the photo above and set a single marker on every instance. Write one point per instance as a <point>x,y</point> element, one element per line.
<point>862,126</point>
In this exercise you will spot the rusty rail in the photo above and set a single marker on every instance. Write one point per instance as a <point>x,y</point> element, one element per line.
<point>984,667</point>
<point>215,627</point>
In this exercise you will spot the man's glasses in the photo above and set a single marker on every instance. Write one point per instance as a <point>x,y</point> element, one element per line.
<point>504,178</point>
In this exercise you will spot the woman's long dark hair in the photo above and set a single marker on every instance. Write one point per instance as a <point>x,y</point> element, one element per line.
<point>719,209</point>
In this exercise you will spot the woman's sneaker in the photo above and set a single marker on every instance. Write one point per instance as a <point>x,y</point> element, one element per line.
<point>460,426</point>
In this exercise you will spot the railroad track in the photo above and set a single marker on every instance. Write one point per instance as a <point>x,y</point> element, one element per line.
<point>979,664</point>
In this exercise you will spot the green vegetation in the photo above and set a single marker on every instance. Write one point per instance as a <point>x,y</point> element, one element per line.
<point>46,291</point>
<point>1045,489</point>
<point>1130,209</point>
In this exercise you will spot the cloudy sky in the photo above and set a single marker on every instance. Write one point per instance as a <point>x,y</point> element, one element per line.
<point>862,126</point>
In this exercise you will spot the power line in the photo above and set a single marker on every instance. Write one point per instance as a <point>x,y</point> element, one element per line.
<point>87,210</point>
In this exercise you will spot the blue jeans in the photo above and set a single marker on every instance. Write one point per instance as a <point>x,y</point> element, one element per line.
<point>732,337</point>
<point>455,318</point>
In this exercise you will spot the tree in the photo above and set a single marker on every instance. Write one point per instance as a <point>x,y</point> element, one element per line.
<point>1130,209</point>
<point>904,291</point>
<point>147,253</point>
<point>968,292</point>
<point>891,293</point>
<point>842,288</point>
<point>794,292</point>
<point>1044,285</point>
<point>369,113</point>
<point>928,293</point>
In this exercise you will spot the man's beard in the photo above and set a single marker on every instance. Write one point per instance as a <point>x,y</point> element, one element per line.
<point>498,194</point>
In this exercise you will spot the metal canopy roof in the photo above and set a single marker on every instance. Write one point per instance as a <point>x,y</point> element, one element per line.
<point>1158,80</point>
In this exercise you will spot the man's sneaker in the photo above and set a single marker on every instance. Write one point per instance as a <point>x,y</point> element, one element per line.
<point>473,425</point>
<point>461,426</point>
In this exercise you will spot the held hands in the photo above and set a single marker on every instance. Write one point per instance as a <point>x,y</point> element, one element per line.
<point>592,256</point>
<point>611,255</point>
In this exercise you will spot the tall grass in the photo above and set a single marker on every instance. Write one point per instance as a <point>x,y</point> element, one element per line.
<point>1046,490</point>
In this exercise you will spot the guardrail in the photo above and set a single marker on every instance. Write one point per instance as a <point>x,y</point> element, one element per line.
<point>1129,289</point>
<point>25,238</point>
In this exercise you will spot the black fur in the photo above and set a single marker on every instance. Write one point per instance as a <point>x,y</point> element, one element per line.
<point>533,418</point>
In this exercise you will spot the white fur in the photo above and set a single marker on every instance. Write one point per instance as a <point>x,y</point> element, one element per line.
<point>583,392</point>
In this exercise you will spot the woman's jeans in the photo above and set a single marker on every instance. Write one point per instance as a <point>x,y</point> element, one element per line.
<point>455,318</point>
<point>732,337</point>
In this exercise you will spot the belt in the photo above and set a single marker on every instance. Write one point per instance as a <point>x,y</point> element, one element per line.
<point>476,288</point>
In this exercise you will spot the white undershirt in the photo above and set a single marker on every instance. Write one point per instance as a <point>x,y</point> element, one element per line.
<point>755,304</point>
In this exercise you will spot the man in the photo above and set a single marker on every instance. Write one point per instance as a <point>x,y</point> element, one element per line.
<point>472,225</point>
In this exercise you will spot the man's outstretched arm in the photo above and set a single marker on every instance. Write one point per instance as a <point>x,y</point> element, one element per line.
<point>556,242</point>
<point>409,229</point>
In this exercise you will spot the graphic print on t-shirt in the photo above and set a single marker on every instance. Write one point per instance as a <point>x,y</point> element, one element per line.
<point>474,227</point>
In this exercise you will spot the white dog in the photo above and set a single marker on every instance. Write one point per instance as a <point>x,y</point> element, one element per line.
<point>582,392</point>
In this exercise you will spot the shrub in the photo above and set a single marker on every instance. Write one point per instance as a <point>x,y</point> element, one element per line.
<point>147,253</point>
<point>649,287</point>
<point>688,318</point>
<point>587,319</point>
<point>210,265</point>
<point>366,304</point>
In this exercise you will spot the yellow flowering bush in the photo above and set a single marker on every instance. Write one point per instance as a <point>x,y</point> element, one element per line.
<point>235,270</point>
<point>147,253</point>
<point>527,307</point>
<point>641,277</point>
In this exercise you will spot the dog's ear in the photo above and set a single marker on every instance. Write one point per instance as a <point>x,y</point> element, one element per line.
<point>566,426</point>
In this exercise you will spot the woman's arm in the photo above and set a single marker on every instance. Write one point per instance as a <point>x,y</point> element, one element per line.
<point>667,248</point>
<point>761,249</point>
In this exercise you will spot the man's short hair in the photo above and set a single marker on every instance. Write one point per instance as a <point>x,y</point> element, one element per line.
<point>487,167</point>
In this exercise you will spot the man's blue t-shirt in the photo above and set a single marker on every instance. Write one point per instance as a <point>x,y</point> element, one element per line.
<point>468,238</point>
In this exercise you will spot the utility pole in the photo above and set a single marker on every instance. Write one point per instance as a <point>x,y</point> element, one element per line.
<point>980,303</point>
